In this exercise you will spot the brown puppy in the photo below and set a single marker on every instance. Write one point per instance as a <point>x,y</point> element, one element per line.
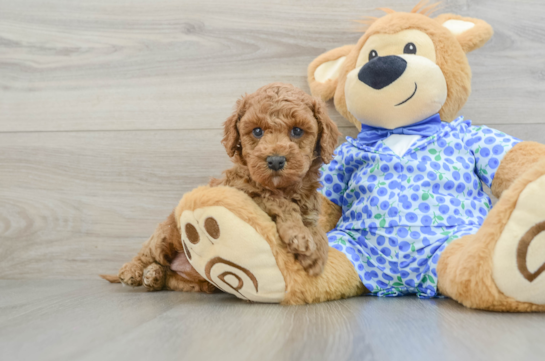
<point>278,137</point>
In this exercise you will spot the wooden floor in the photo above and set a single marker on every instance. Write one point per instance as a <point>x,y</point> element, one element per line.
<point>91,320</point>
<point>110,110</point>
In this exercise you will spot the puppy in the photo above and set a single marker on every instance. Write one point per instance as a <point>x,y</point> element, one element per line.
<point>277,138</point>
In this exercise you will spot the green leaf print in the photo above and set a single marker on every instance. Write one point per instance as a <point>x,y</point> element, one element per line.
<point>432,151</point>
<point>398,284</point>
<point>399,279</point>
<point>413,247</point>
<point>430,278</point>
<point>424,279</point>
<point>343,242</point>
<point>378,216</point>
<point>383,223</point>
<point>437,157</point>
<point>425,196</point>
<point>440,218</point>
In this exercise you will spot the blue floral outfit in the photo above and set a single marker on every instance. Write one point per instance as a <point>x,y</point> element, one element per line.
<point>400,212</point>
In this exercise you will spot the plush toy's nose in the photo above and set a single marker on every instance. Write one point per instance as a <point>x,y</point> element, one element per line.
<point>276,162</point>
<point>382,71</point>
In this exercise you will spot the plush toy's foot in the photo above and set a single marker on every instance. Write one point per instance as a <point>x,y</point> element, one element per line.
<point>233,244</point>
<point>229,252</point>
<point>519,255</point>
<point>502,267</point>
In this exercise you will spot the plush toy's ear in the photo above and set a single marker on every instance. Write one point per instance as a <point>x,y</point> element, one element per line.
<point>471,33</point>
<point>231,136</point>
<point>324,71</point>
<point>329,133</point>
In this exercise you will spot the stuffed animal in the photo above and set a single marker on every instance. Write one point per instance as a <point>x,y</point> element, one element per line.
<point>415,219</point>
<point>404,200</point>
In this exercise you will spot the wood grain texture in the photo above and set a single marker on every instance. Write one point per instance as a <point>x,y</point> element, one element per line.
<point>171,64</point>
<point>111,110</point>
<point>93,320</point>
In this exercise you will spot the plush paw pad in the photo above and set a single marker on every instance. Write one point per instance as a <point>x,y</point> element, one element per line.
<point>231,254</point>
<point>519,256</point>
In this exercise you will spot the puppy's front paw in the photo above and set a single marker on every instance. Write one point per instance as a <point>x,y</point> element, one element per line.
<point>131,274</point>
<point>154,277</point>
<point>298,239</point>
<point>315,262</point>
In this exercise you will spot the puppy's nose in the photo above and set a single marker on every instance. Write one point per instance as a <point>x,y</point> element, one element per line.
<point>382,71</point>
<point>276,162</point>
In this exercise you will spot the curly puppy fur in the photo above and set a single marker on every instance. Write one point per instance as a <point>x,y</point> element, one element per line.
<point>288,195</point>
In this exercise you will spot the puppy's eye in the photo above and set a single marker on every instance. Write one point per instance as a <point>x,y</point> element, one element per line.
<point>410,48</point>
<point>297,132</point>
<point>372,54</point>
<point>257,132</point>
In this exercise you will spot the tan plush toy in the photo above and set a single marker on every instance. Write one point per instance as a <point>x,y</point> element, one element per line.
<point>413,216</point>
<point>415,219</point>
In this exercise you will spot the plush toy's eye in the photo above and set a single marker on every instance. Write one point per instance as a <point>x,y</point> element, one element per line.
<point>410,48</point>
<point>372,54</point>
<point>257,132</point>
<point>297,132</point>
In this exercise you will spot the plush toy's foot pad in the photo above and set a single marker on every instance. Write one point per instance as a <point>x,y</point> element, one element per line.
<point>519,255</point>
<point>231,254</point>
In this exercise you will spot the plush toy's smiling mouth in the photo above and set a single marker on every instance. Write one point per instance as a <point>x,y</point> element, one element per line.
<point>409,98</point>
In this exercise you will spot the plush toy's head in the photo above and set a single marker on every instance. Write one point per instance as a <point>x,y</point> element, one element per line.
<point>406,67</point>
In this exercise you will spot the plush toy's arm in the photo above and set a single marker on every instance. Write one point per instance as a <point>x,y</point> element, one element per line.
<point>489,147</point>
<point>518,160</point>
<point>330,213</point>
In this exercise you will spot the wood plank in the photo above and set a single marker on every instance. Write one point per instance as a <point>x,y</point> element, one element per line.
<point>68,199</point>
<point>170,64</point>
<point>93,320</point>
<point>75,204</point>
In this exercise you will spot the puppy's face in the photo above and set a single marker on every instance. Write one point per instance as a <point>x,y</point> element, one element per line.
<point>278,132</point>
<point>278,142</point>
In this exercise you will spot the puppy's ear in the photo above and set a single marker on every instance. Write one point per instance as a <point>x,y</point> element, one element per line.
<point>328,131</point>
<point>231,136</point>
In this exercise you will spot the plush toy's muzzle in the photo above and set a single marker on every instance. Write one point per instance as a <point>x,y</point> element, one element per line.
<point>382,71</point>
<point>395,90</point>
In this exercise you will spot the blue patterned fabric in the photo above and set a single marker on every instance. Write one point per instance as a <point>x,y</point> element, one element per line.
<point>425,128</point>
<point>399,213</point>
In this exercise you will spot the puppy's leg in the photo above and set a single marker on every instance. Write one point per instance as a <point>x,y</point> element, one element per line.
<point>154,277</point>
<point>175,282</point>
<point>315,262</point>
<point>160,248</point>
<point>293,232</point>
